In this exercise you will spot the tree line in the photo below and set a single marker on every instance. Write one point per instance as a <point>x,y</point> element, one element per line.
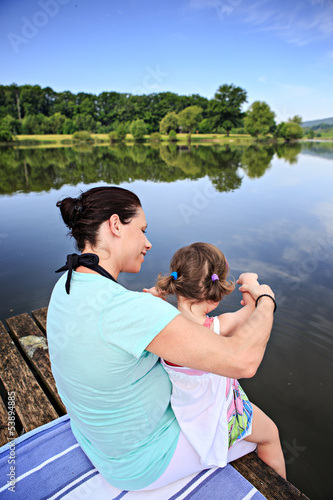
<point>30,109</point>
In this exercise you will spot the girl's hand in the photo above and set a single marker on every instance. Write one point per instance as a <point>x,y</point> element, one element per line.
<point>256,290</point>
<point>248,279</point>
<point>154,292</point>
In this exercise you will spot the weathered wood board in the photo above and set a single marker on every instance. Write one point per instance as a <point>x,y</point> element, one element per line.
<point>265,479</point>
<point>34,345</point>
<point>40,317</point>
<point>32,407</point>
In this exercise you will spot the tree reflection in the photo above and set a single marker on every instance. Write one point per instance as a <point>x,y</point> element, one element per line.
<point>289,152</point>
<point>256,160</point>
<point>42,169</point>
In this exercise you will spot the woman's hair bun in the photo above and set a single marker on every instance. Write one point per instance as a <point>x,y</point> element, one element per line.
<point>68,208</point>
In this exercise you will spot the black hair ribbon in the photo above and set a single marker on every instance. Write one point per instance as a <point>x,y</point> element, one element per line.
<point>89,260</point>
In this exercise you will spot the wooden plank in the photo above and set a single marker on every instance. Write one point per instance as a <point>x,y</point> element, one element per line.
<point>7,432</point>
<point>32,406</point>
<point>40,317</point>
<point>23,325</point>
<point>34,344</point>
<point>265,479</point>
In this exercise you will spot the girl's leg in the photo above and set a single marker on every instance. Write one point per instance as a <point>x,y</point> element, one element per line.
<point>266,435</point>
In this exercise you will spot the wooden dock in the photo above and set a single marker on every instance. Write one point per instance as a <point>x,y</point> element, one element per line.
<point>25,369</point>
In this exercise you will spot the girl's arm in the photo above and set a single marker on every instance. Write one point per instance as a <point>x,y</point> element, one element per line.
<point>230,321</point>
<point>154,292</point>
<point>247,279</point>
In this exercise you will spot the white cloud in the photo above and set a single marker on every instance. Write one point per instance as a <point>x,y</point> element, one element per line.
<point>299,22</point>
<point>223,8</point>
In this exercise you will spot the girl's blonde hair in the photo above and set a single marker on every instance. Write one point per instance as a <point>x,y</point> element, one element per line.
<point>195,266</point>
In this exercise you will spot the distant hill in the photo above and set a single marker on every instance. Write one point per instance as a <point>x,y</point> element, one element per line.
<point>314,123</point>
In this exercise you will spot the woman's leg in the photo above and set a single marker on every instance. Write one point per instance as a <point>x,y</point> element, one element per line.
<point>266,435</point>
<point>184,462</point>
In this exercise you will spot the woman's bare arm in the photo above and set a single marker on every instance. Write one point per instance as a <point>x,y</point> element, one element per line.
<point>185,343</point>
<point>229,322</point>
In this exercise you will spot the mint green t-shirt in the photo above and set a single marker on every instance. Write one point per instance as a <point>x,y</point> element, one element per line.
<point>116,393</point>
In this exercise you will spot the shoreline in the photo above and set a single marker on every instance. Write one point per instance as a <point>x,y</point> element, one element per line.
<point>60,140</point>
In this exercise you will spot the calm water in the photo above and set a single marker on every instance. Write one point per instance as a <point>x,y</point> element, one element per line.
<point>269,210</point>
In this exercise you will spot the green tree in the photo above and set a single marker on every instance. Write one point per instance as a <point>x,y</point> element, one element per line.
<point>33,124</point>
<point>87,106</point>
<point>173,136</point>
<point>56,123</point>
<point>121,132</point>
<point>31,100</point>
<point>5,135</point>
<point>155,137</point>
<point>85,122</point>
<point>297,119</point>
<point>65,103</point>
<point>113,136</point>
<point>82,136</point>
<point>226,106</point>
<point>259,119</point>
<point>289,131</point>
<point>189,118</point>
<point>10,123</point>
<point>138,129</point>
<point>69,126</point>
<point>227,125</point>
<point>169,122</point>
<point>205,126</point>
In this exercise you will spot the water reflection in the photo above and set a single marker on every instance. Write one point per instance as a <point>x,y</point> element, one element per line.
<point>36,170</point>
<point>289,152</point>
<point>256,160</point>
<point>323,149</point>
<point>268,208</point>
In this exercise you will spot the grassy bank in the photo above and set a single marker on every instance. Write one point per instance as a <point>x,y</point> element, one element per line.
<point>54,141</point>
<point>67,140</point>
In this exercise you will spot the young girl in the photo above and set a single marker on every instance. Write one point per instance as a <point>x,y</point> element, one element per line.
<point>213,411</point>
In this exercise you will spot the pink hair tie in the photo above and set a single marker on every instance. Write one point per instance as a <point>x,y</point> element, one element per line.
<point>215,277</point>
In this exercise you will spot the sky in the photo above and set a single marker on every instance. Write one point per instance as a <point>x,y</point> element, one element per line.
<point>279,51</point>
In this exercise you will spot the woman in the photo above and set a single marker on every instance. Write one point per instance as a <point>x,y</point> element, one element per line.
<point>105,343</point>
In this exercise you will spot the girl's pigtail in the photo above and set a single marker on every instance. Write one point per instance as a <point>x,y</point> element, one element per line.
<point>219,288</point>
<point>227,286</point>
<point>166,284</point>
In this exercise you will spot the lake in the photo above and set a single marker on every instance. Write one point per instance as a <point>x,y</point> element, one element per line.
<point>269,209</point>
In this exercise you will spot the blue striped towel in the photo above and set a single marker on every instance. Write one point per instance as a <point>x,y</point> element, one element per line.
<point>48,463</point>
